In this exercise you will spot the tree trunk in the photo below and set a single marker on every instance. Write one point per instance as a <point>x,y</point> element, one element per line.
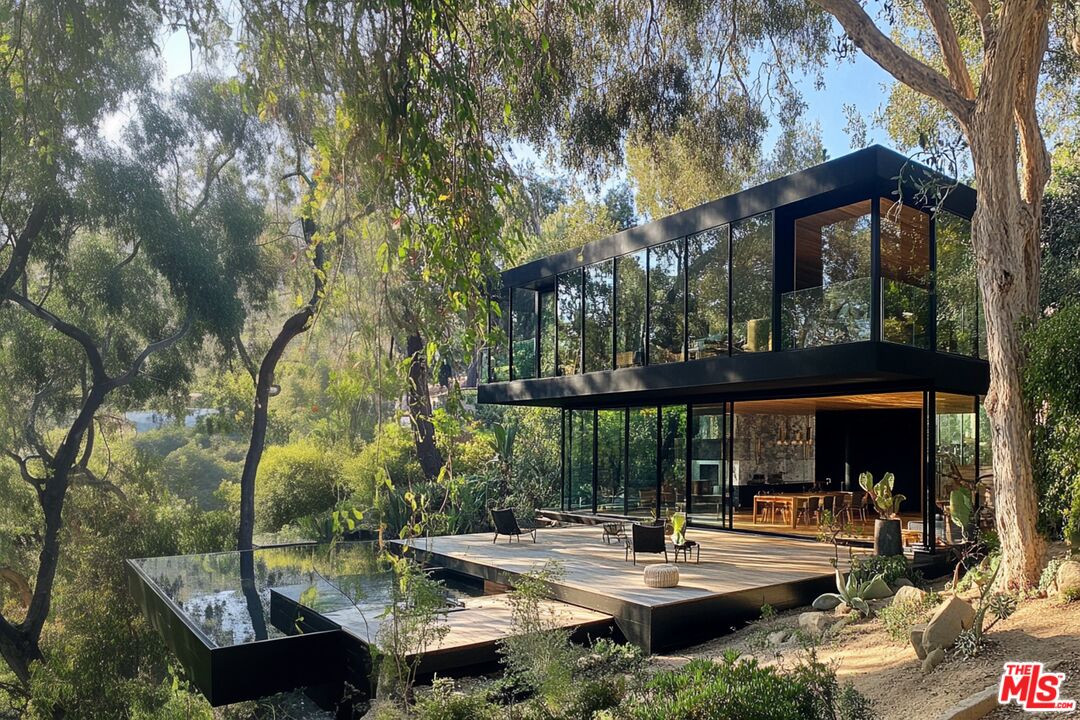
<point>1005,231</point>
<point>264,381</point>
<point>419,399</point>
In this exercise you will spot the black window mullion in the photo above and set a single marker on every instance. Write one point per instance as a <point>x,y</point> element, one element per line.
<point>875,269</point>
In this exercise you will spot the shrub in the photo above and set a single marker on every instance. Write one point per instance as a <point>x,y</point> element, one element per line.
<point>391,449</point>
<point>295,481</point>
<point>195,472</point>
<point>891,568</point>
<point>734,689</point>
<point>446,702</point>
<point>899,617</point>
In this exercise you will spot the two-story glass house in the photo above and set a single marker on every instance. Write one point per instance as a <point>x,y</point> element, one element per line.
<point>746,360</point>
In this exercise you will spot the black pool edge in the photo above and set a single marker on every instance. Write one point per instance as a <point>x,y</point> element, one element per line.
<point>236,673</point>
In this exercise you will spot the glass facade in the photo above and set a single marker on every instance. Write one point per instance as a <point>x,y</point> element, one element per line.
<point>546,307</point>
<point>630,271</point>
<point>579,466</point>
<point>610,461</point>
<point>708,453</point>
<point>569,313</point>
<point>958,306</point>
<point>752,284</point>
<point>667,293</point>
<point>499,367</point>
<point>641,468</point>
<point>599,293</point>
<point>672,459</point>
<point>831,300</point>
<point>707,293</point>
<point>524,327</point>
<point>905,274</point>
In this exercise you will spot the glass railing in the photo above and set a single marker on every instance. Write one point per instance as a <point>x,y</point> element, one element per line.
<point>829,315</point>
<point>905,313</point>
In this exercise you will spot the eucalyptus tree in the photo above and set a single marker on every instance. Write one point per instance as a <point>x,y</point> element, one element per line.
<point>157,253</point>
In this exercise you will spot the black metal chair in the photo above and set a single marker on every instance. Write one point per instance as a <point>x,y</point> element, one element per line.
<point>646,539</point>
<point>506,524</point>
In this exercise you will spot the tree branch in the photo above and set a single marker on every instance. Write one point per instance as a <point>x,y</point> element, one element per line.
<point>136,367</point>
<point>895,60</point>
<point>950,47</point>
<point>78,335</point>
<point>35,223</point>
<point>19,583</point>
<point>985,15</point>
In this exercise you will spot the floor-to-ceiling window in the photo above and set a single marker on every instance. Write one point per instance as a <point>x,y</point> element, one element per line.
<point>672,459</point>
<point>630,284</point>
<point>957,454</point>
<point>523,330</point>
<point>831,300</point>
<point>580,485</point>
<point>569,322</point>
<point>707,459</point>
<point>666,303</point>
<point>752,284</point>
<point>641,469</point>
<point>547,333</point>
<point>957,290</point>
<point>707,293</point>
<point>905,274</point>
<point>610,460</point>
<point>599,292</point>
<point>499,367</point>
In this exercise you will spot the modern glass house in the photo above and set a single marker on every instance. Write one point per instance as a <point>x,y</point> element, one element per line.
<point>746,360</point>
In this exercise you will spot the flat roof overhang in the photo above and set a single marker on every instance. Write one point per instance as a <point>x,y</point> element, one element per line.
<point>838,369</point>
<point>872,170</point>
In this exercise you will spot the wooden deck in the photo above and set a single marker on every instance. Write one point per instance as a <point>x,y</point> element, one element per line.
<point>737,574</point>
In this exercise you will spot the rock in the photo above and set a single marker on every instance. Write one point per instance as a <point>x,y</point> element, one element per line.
<point>814,623</point>
<point>945,624</point>
<point>1068,577</point>
<point>909,594</point>
<point>842,609</point>
<point>828,601</point>
<point>778,637</point>
<point>878,590</point>
<point>916,639</point>
<point>932,660</point>
<point>901,582</point>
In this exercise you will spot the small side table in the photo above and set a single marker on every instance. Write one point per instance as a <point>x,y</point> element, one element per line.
<point>686,548</point>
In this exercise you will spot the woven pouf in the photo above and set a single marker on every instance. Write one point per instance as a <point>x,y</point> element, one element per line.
<point>661,576</point>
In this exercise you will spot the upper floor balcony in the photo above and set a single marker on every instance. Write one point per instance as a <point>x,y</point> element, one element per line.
<point>856,270</point>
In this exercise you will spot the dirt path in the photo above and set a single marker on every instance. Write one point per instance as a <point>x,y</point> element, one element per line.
<point>889,672</point>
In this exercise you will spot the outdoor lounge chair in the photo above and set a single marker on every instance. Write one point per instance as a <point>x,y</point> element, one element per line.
<point>507,524</point>
<point>646,539</point>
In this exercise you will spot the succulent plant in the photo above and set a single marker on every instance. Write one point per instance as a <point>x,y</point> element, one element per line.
<point>881,494</point>
<point>852,592</point>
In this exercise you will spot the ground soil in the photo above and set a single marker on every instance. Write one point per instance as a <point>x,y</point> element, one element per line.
<point>889,672</point>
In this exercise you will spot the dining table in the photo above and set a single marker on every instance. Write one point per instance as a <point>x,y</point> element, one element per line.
<point>789,500</point>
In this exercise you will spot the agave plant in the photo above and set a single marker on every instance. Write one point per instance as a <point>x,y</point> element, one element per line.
<point>852,592</point>
<point>881,494</point>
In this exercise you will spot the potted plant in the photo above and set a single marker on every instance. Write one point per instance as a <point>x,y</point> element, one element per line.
<point>887,526</point>
<point>678,528</point>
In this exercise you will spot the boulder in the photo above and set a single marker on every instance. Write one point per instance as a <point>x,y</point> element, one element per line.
<point>778,637</point>
<point>932,660</point>
<point>916,634</point>
<point>842,609</point>
<point>901,582</point>
<point>828,601</point>
<point>951,617</point>
<point>909,594</point>
<point>878,590</point>
<point>814,623</point>
<point>1068,577</point>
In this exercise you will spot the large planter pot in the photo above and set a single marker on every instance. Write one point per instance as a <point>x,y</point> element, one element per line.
<point>887,537</point>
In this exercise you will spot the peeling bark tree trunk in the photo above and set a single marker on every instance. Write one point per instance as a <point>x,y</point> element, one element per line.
<point>419,399</point>
<point>264,381</point>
